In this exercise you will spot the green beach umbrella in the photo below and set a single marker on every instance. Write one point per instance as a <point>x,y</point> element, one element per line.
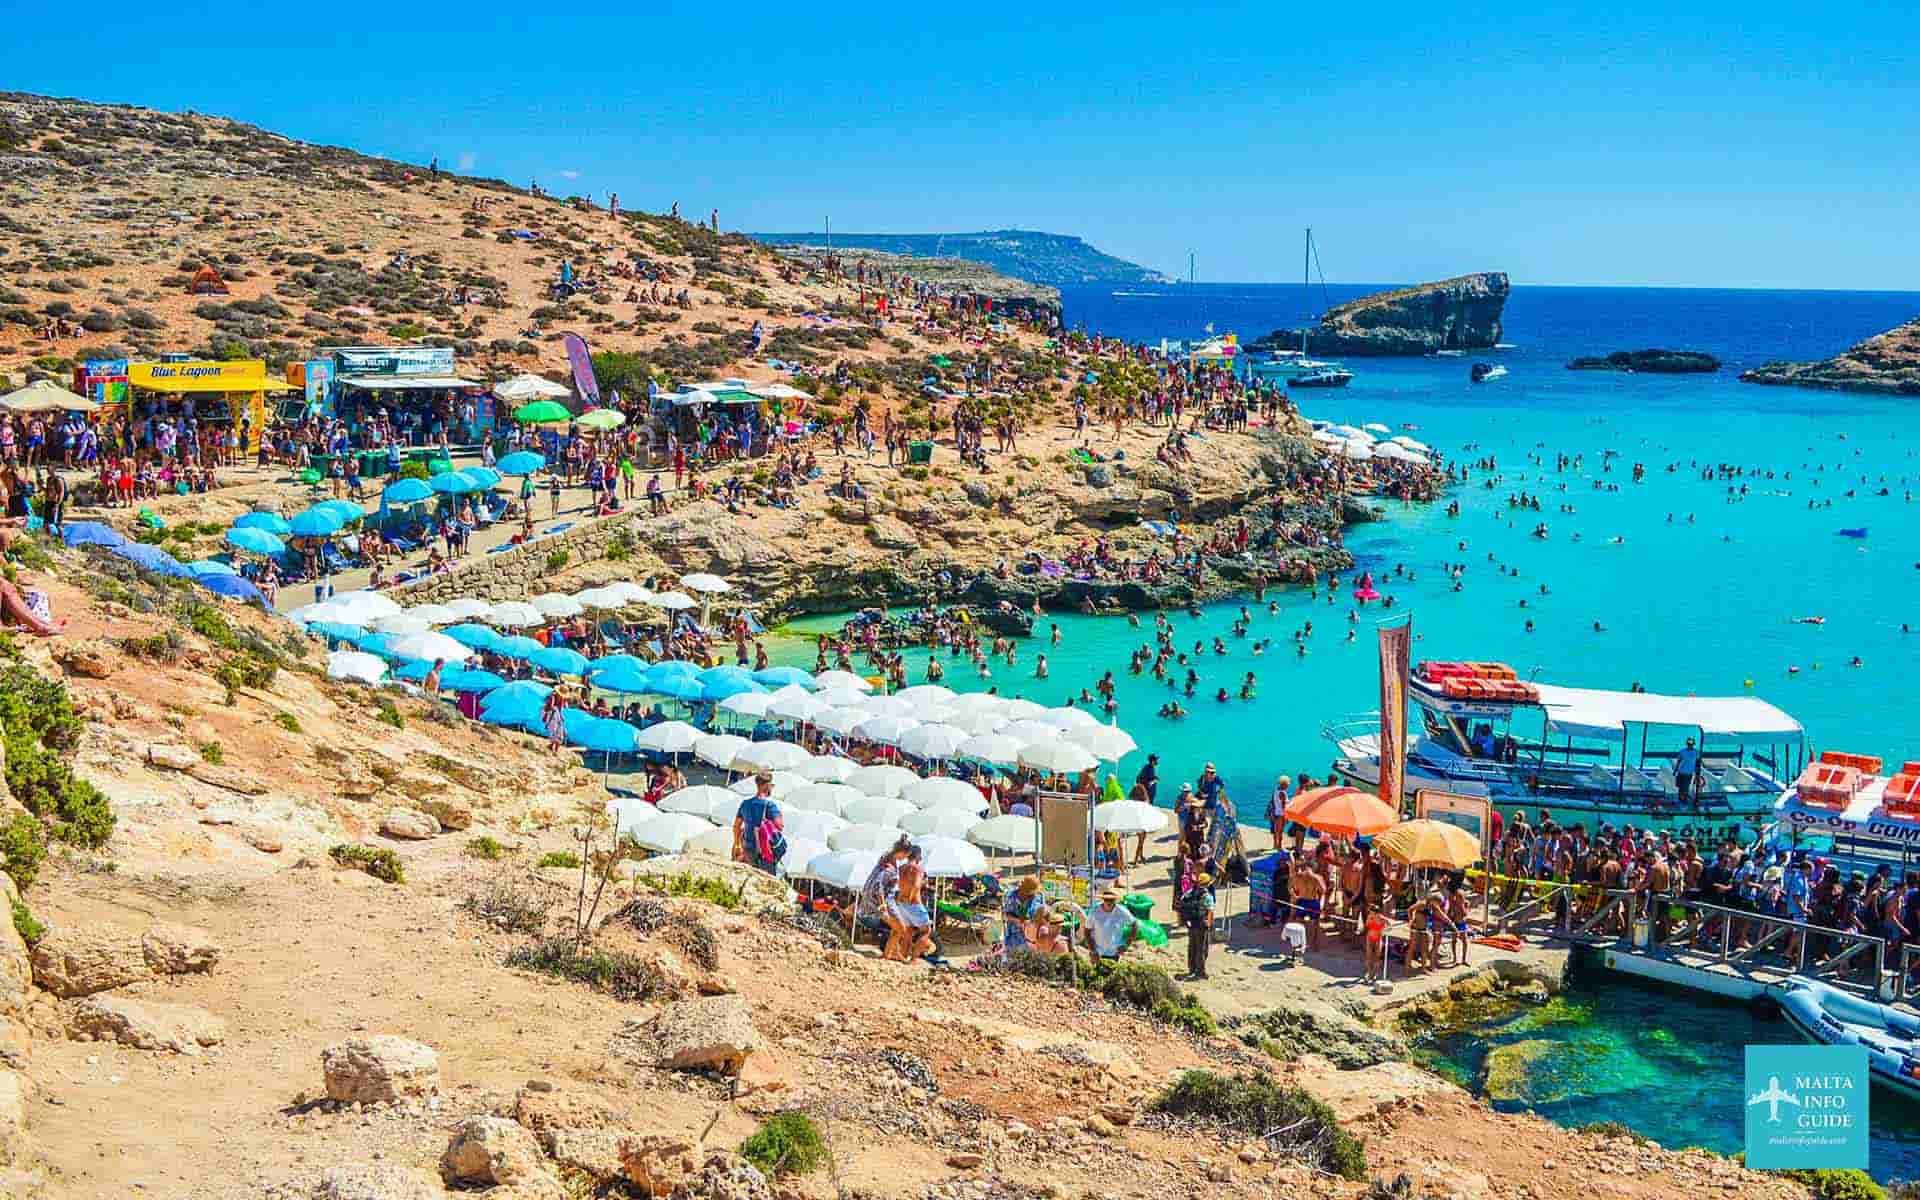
<point>541,412</point>
<point>603,418</point>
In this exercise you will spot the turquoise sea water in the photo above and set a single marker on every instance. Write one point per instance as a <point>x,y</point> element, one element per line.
<point>1665,1063</point>
<point>1703,604</point>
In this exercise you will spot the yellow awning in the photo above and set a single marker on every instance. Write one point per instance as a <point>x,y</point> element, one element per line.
<point>245,375</point>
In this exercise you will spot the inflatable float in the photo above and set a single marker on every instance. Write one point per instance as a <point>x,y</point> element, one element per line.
<point>1854,533</point>
<point>1824,1014</point>
<point>1365,594</point>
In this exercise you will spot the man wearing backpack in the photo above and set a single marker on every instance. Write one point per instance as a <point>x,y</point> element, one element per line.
<point>757,827</point>
<point>1196,913</point>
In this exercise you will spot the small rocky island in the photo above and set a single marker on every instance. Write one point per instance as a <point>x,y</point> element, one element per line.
<point>1887,363</point>
<point>1462,313</point>
<point>1650,362</point>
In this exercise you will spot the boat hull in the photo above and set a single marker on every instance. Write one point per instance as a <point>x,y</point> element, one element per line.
<point>1821,1014</point>
<point>1320,381</point>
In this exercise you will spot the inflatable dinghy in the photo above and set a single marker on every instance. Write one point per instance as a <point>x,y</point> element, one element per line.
<point>1825,1014</point>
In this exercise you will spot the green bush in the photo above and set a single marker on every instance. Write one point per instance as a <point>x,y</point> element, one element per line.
<point>703,887</point>
<point>619,546</point>
<point>212,752</point>
<point>388,714</point>
<point>620,975</point>
<point>787,1143</point>
<point>23,846</point>
<point>41,730</point>
<point>485,846</point>
<point>26,924</point>
<point>557,560</point>
<point>1836,1184</point>
<point>1136,984</point>
<point>287,721</point>
<point>415,470</point>
<point>558,858</point>
<point>1253,1105</point>
<point>377,861</point>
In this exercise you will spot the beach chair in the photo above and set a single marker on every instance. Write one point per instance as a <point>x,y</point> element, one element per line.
<point>610,632</point>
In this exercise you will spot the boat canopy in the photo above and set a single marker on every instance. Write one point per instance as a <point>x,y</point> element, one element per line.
<point>1721,720</point>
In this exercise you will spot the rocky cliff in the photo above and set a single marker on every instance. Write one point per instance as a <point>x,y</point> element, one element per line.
<point>1889,362</point>
<point>1462,313</point>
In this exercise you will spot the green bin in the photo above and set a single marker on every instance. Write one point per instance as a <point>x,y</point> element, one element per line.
<point>919,454</point>
<point>1139,904</point>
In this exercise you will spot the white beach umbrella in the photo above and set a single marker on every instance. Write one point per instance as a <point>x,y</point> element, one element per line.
<point>1018,709</point>
<point>710,584</point>
<point>1058,757</point>
<point>839,720</point>
<point>864,835</point>
<point>995,748</point>
<point>770,756</point>
<point>822,797</point>
<point>1376,427</point>
<point>882,779</point>
<point>628,592</point>
<point>807,825</point>
<point>877,810</point>
<point>1128,816</point>
<point>1006,832</point>
<point>827,768</point>
<point>669,737</point>
<point>846,869</point>
<point>1028,732</point>
<point>596,597</point>
<point>720,749</point>
<point>888,706</point>
<point>747,704</point>
<point>356,665</point>
<point>701,800</point>
<point>515,612</point>
<point>629,813</point>
<point>945,857</point>
<point>842,679</point>
<point>842,697</point>
<point>430,646</point>
<point>979,700</point>
<point>668,832</point>
<point>1109,742</point>
<point>362,607</point>
<point>970,720</point>
<point>932,741</point>
<point>924,694</point>
<point>555,605</point>
<point>1069,717</point>
<point>1327,437</point>
<point>944,822</point>
<point>439,614</point>
<point>885,730</point>
<point>715,843</point>
<point>781,783</point>
<point>793,705</point>
<point>800,852</point>
<point>467,608</point>
<point>407,621</point>
<point>941,790</point>
<point>1409,443</point>
<point>673,601</point>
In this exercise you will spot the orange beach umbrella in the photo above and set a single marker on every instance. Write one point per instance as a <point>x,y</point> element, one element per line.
<point>1344,811</point>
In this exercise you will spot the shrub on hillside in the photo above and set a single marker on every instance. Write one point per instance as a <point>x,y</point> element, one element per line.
<point>1253,1105</point>
<point>787,1143</point>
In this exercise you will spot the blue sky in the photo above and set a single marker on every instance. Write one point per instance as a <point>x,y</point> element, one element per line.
<point>1759,144</point>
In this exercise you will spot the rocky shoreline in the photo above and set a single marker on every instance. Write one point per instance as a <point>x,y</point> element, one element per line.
<point>1888,363</point>
<point>1462,313</point>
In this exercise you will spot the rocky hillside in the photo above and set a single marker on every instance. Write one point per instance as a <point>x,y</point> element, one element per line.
<point>957,276</point>
<point>1454,314</point>
<point>1050,258</point>
<point>1888,362</point>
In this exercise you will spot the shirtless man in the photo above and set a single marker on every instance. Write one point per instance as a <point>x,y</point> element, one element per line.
<point>1309,891</point>
<point>1353,878</point>
<point>1659,890</point>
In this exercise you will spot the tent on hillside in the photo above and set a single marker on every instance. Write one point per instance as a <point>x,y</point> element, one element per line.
<point>207,282</point>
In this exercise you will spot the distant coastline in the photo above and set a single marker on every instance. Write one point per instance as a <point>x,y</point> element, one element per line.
<point>1053,259</point>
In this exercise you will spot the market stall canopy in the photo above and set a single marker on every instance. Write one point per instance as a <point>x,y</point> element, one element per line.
<point>1727,720</point>
<point>44,395</point>
<point>778,391</point>
<point>396,383</point>
<point>531,387</point>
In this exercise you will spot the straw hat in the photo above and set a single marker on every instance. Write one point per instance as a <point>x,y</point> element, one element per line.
<point>1112,893</point>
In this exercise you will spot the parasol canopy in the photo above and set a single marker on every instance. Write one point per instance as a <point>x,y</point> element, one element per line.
<point>1430,843</point>
<point>1343,811</point>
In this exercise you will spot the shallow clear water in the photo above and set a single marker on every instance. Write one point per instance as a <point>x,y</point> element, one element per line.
<point>1703,605</point>
<point>1666,1063</point>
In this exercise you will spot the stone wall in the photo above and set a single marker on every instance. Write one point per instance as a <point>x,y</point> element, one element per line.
<point>519,572</point>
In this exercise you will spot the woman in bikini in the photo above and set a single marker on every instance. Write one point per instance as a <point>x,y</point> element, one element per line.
<point>914,936</point>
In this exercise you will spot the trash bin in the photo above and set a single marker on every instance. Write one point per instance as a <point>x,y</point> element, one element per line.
<point>919,453</point>
<point>1139,904</point>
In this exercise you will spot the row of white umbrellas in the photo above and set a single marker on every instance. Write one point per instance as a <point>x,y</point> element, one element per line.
<point>383,615</point>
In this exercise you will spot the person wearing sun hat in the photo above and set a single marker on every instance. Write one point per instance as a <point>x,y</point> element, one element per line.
<point>1196,913</point>
<point>1109,929</point>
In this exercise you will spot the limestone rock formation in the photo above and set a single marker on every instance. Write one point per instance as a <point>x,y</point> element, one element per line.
<point>711,1033</point>
<point>145,1024</point>
<point>1650,362</point>
<point>377,1181</point>
<point>1462,313</point>
<point>1888,363</point>
<point>379,1068</point>
<point>409,824</point>
<point>80,962</point>
<point>179,949</point>
<point>490,1150</point>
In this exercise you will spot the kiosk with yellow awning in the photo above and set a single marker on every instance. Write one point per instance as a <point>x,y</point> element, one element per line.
<point>239,387</point>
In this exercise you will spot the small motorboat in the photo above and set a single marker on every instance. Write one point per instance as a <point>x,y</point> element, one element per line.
<point>1859,532</point>
<point>1824,1014</point>
<point>1482,372</point>
<point>1325,377</point>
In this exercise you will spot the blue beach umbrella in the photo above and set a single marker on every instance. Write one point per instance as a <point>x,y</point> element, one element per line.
<point>559,660</point>
<point>153,558</point>
<point>407,491</point>
<point>473,636</point>
<point>513,716</point>
<point>608,661</point>
<point>452,483</point>
<point>376,643</point>
<point>346,510</point>
<point>518,646</point>
<point>337,632</point>
<point>717,690</point>
<point>474,680</point>
<point>729,673</point>
<point>204,567</point>
<point>520,691</point>
<point>255,541</point>
<point>629,678</point>
<point>414,669</point>
<point>486,477</point>
<point>679,687</point>
<point>521,462</point>
<point>782,676</point>
<point>92,533</point>
<point>675,666</point>
<point>604,734</point>
<point>272,522</point>
<point>315,522</point>
<point>234,588</point>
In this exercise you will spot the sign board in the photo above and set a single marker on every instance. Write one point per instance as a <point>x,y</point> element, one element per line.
<point>1806,1107</point>
<point>242,375</point>
<point>395,360</point>
<point>1471,813</point>
<point>1063,828</point>
<point>1061,885</point>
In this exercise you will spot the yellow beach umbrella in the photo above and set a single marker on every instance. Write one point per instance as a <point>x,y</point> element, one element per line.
<point>1429,844</point>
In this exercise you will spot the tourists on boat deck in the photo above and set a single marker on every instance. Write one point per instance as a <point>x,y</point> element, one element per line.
<point>1686,767</point>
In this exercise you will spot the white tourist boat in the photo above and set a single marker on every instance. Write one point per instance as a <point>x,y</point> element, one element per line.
<point>1586,755</point>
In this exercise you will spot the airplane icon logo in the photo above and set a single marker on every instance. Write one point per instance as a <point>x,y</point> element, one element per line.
<point>1773,1098</point>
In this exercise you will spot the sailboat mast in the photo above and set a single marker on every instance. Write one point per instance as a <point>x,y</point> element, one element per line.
<point>1306,259</point>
